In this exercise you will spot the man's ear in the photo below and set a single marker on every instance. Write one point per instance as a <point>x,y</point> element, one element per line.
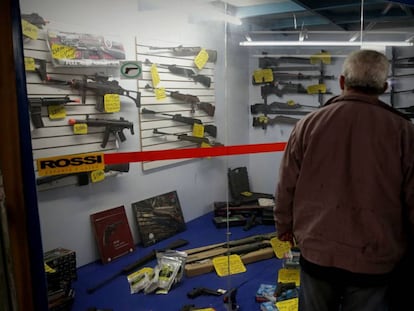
<point>385,87</point>
<point>342,82</point>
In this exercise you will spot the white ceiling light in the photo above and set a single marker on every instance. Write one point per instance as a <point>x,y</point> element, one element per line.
<point>326,43</point>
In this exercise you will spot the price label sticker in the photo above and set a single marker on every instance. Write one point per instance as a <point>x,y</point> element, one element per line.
<point>316,89</point>
<point>323,57</point>
<point>201,59</point>
<point>246,193</point>
<point>226,265</point>
<point>80,128</point>
<point>160,93</point>
<point>62,51</point>
<point>263,75</point>
<point>29,30</point>
<point>288,305</point>
<point>56,112</point>
<point>97,175</point>
<point>29,64</point>
<point>154,75</point>
<point>280,247</point>
<point>289,275</point>
<point>112,103</point>
<point>198,130</point>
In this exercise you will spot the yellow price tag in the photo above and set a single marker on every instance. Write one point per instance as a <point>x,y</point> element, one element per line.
<point>49,269</point>
<point>226,265</point>
<point>205,145</point>
<point>160,93</point>
<point>280,247</point>
<point>201,59</point>
<point>289,275</point>
<point>97,175</point>
<point>198,130</point>
<point>29,64</point>
<point>263,75</point>
<point>56,112</point>
<point>80,128</point>
<point>323,57</point>
<point>316,89</point>
<point>112,103</point>
<point>154,75</point>
<point>288,304</point>
<point>62,51</point>
<point>29,30</point>
<point>246,194</point>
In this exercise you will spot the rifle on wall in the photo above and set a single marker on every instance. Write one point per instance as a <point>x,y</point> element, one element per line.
<point>83,178</point>
<point>186,137</point>
<point>115,127</point>
<point>275,107</point>
<point>187,51</point>
<point>283,76</point>
<point>264,121</point>
<point>36,103</point>
<point>193,100</point>
<point>208,128</point>
<point>184,72</point>
<point>286,88</point>
<point>100,85</point>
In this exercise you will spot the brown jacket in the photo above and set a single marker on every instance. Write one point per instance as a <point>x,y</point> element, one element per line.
<point>346,174</point>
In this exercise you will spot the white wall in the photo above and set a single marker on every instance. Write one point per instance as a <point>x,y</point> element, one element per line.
<point>64,212</point>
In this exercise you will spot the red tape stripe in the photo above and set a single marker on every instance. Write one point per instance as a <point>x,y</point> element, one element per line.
<point>129,157</point>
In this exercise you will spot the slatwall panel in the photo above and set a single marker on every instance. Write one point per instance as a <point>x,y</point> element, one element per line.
<point>168,105</point>
<point>56,137</point>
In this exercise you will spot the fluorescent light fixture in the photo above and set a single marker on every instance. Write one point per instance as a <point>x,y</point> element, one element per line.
<point>326,43</point>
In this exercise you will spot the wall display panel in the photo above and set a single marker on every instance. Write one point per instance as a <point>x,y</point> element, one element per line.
<point>60,96</point>
<point>177,99</point>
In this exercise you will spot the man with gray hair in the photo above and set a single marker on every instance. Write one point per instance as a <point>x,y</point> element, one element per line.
<point>345,193</point>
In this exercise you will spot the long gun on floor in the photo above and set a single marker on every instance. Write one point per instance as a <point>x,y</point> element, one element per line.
<point>140,262</point>
<point>115,127</point>
<point>208,128</point>
<point>275,107</point>
<point>101,86</point>
<point>187,51</point>
<point>36,103</point>
<point>184,72</point>
<point>189,99</point>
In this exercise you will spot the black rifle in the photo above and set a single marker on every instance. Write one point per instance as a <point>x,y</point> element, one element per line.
<point>184,72</point>
<point>116,127</point>
<point>264,121</point>
<point>198,291</point>
<point>189,99</point>
<point>143,260</point>
<point>100,85</point>
<point>186,137</point>
<point>282,76</point>
<point>266,62</point>
<point>36,103</point>
<point>34,19</point>
<point>188,51</point>
<point>83,177</point>
<point>275,106</point>
<point>208,128</point>
<point>287,88</point>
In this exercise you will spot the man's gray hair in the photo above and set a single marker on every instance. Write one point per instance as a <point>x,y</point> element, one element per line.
<point>366,70</point>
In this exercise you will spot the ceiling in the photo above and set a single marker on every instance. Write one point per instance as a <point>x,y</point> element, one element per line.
<point>317,15</point>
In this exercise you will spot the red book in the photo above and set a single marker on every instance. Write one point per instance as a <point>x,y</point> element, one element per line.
<point>112,233</point>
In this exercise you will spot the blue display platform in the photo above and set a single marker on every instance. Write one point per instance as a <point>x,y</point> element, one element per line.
<point>116,296</point>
